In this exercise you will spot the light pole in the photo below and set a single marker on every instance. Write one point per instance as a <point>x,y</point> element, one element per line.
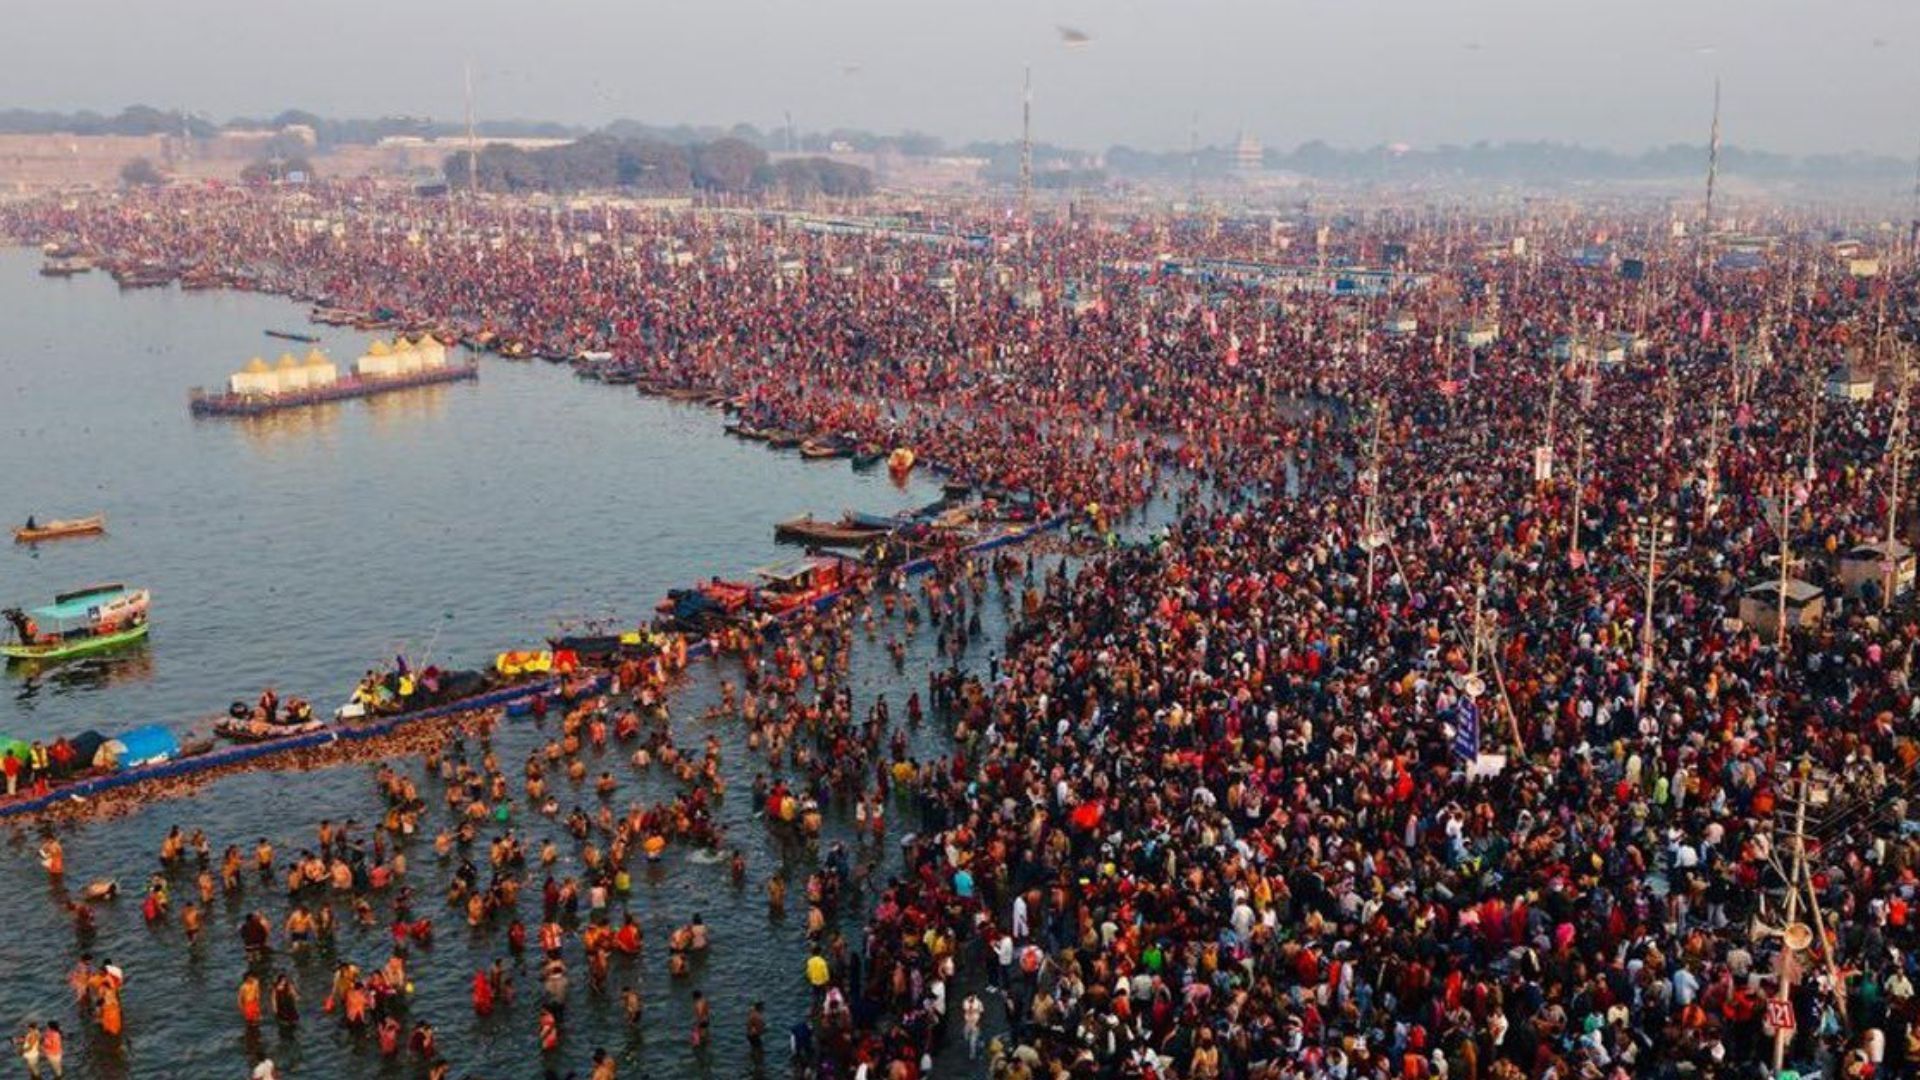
<point>1655,531</point>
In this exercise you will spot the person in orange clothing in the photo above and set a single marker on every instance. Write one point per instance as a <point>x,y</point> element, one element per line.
<point>106,994</point>
<point>250,999</point>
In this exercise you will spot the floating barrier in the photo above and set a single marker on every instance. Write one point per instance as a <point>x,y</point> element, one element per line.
<point>506,696</point>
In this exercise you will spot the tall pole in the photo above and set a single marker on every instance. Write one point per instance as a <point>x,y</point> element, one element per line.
<point>1579,493</point>
<point>1713,462</point>
<point>473,154</point>
<point>1783,983</point>
<point>1026,150</point>
<point>1372,525</point>
<point>1786,565</point>
<point>1193,161</point>
<point>1898,451</point>
<point>1713,163</point>
<point>1646,625</point>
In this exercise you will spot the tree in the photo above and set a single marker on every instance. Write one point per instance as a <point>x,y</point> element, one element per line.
<point>726,165</point>
<point>141,173</point>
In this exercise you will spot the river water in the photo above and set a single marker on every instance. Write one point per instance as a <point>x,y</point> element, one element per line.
<point>298,550</point>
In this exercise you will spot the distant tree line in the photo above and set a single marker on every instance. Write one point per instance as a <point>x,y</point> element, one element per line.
<point>1053,165</point>
<point>1527,161</point>
<point>725,165</point>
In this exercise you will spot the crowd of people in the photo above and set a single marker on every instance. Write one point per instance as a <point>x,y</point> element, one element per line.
<point>1430,738</point>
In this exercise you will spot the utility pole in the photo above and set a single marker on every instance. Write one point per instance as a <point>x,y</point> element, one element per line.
<point>1485,645</point>
<point>1579,494</point>
<point>1713,463</point>
<point>1782,527</point>
<point>1783,982</point>
<point>1897,451</point>
<point>1370,537</point>
<point>1026,151</point>
<point>1813,424</point>
<point>1656,530</point>
<point>1546,447</point>
<point>1193,162</point>
<point>1713,165</point>
<point>473,153</point>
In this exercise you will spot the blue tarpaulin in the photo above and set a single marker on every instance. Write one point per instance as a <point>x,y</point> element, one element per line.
<point>147,745</point>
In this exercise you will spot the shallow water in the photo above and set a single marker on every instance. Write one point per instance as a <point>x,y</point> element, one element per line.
<point>448,523</point>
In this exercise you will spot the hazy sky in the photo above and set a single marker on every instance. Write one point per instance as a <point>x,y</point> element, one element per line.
<point>1800,75</point>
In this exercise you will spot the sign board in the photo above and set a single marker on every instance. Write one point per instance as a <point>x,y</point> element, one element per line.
<point>1486,766</point>
<point>1542,463</point>
<point>1466,730</point>
<point>1780,1014</point>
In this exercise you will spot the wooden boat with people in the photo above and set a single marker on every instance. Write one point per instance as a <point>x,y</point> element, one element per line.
<point>34,532</point>
<point>84,621</point>
<point>259,731</point>
<point>849,531</point>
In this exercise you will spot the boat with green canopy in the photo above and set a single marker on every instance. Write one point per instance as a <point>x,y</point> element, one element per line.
<point>77,623</point>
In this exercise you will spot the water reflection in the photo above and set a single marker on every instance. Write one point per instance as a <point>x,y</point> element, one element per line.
<point>128,665</point>
<point>287,423</point>
<point>399,407</point>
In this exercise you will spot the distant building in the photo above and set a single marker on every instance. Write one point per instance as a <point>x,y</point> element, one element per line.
<point>1247,155</point>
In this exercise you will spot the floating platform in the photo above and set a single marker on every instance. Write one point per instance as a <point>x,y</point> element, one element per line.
<point>351,386</point>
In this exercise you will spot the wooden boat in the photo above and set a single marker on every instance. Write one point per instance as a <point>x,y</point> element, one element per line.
<point>847,532</point>
<point>868,457</point>
<point>790,586</point>
<point>822,450</point>
<point>259,731</point>
<point>149,277</point>
<point>65,267</point>
<point>76,623</point>
<point>288,335</point>
<point>57,530</point>
<point>784,440</point>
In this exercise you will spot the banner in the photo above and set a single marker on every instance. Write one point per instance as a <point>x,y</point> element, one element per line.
<point>1466,730</point>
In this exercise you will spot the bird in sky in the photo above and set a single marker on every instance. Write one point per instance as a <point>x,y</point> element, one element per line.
<point>1073,38</point>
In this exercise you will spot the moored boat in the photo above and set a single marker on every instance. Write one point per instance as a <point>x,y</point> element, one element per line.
<point>849,531</point>
<point>33,532</point>
<point>76,623</point>
<point>65,266</point>
<point>824,449</point>
<point>803,582</point>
